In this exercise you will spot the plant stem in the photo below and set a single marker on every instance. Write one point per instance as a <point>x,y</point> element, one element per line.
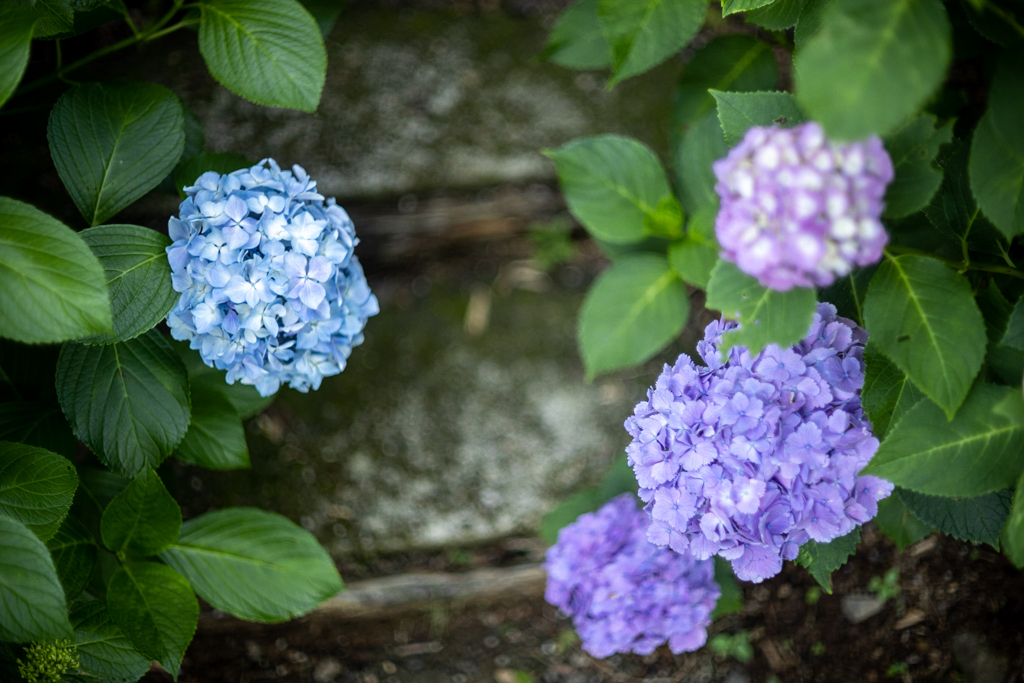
<point>1005,16</point>
<point>959,266</point>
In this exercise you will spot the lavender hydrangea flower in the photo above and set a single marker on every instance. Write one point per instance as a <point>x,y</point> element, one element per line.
<point>271,290</point>
<point>799,210</point>
<point>622,592</point>
<point>751,456</point>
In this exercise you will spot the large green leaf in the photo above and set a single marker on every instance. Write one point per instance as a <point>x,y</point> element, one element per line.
<point>215,438</point>
<point>896,521</point>
<point>32,604</point>
<point>16,25</point>
<point>253,564</point>
<point>644,33</point>
<point>55,17</point>
<point>739,111</point>
<point>576,41</point>
<point>96,488</point>
<point>997,152</point>
<point>114,142</point>
<point>53,286</point>
<point>731,600</point>
<point>102,648</point>
<point>913,148</point>
<point>1013,533</point>
<point>128,401</point>
<point>156,609</point>
<point>74,555</point>
<point>139,277</point>
<point>1005,361</point>
<point>616,187</point>
<point>980,451</point>
<point>1014,335</point>
<point>618,479</point>
<point>37,487</point>
<point>978,519</point>
<point>728,63</point>
<point>736,6</point>
<point>37,424</point>
<point>922,315</point>
<point>765,315</point>
<point>778,16</point>
<point>267,51</point>
<point>696,254</point>
<point>632,311</point>
<point>142,519</point>
<point>821,559</point>
<point>809,22</point>
<point>700,148</point>
<point>887,394</point>
<point>872,64</point>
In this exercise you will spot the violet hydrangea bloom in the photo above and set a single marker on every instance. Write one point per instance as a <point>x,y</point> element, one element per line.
<point>271,290</point>
<point>623,593</point>
<point>799,210</point>
<point>751,456</point>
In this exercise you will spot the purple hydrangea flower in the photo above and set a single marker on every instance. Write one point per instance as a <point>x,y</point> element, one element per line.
<point>749,456</point>
<point>623,593</point>
<point>799,210</point>
<point>271,290</point>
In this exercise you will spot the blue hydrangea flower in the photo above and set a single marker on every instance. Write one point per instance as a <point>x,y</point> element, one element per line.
<point>799,209</point>
<point>751,456</point>
<point>271,290</point>
<point>623,593</point>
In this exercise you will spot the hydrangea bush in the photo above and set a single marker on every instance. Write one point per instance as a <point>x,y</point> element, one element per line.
<point>623,593</point>
<point>886,179</point>
<point>271,290</point>
<point>94,397</point>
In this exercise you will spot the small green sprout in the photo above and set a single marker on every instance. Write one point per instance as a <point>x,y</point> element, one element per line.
<point>47,662</point>
<point>897,669</point>
<point>736,646</point>
<point>813,595</point>
<point>887,587</point>
<point>552,243</point>
<point>817,648</point>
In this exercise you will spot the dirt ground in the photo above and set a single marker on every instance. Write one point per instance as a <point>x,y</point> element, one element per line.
<point>959,616</point>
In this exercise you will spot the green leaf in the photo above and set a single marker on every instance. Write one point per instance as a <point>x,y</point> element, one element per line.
<point>872,64</point>
<point>739,111</point>
<point>922,315</point>
<point>809,23</point>
<point>53,286</point>
<point>644,33</point>
<point>631,312</point>
<point>778,16</point>
<point>997,152</point>
<point>32,604</point>
<point>821,559</point>
<point>765,315</point>
<point>896,522</point>
<point>114,142</point>
<point>731,600</point>
<point>1014,335</point>
<point>156,609</point>
<point>37,424</point>
<point>913,148</point>
<point>1007,362</point>
<point>215,438</point>
<point>129,402</point>
<point>16,24</point>
<point>728,63</point>
<point>253,564</point>
<point>74,555</point>
<point>55,17</point>
<point>138,275</point>
<point>980,451</point>
<point>696,254</point>
<point>703,145</point>
<point>36,487</point>
<point>978,519</point>
<point>244,397</point>
<point>579,503</point>
<point>195,138</point>
<point>1013,533</point>
<point>268,51</point>
<point>736,6</point>
<point>143,519</point>
<point>847,294</point>
<point>97,487</point>
<point>576,41</point>
<point>887,394</point>
<point>189,170</point>
<point>613,185</point>
<point>102,649</point>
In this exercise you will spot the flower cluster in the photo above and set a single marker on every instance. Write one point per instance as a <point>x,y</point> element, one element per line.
<point>48,661</point>
<point>798,209</point>
<point>752,456</point>
<point>270,288</point>
<point>622,592</point>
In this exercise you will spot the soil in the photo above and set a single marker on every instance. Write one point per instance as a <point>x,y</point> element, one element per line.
<point>959,616</point>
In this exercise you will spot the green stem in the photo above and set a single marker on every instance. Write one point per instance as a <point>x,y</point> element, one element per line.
<point>959,266</point>
<point>1005,16</point>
